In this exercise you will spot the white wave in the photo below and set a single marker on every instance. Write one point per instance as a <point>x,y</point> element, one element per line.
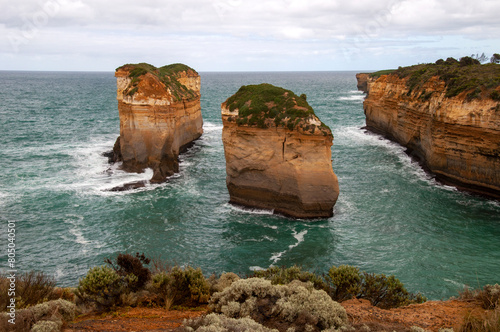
<point>75,229</point>
<point>262,239</point>
<point>250,210</point>
<point>271,226</point>
<point>211,127</point>
<point>59,273</point>
<point>94,175</point>
<point>355,136</point>
<point>276,257</point>
<point>458,285</point>
<point>299,237</point>
<point>5,198</point>
<point>494,203</point>
<point>352,98</point>
<point>256,268</point>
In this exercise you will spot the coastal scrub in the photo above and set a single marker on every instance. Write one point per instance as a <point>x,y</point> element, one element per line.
<point>265,105</point>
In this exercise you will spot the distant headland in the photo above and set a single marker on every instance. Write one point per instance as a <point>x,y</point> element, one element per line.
<point>447,115</point>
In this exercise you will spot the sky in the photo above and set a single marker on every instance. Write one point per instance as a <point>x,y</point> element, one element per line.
<point>243,35</point>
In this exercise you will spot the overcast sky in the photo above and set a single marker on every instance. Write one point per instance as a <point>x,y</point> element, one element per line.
<point>242,35</point>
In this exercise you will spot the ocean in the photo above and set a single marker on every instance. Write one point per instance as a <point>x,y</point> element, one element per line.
<point>391,217</point>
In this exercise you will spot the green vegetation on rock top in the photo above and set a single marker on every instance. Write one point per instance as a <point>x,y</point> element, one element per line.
<point>166,74</point>
<point>382,72</point>
<point>464,75</point>
<point>266,105</point>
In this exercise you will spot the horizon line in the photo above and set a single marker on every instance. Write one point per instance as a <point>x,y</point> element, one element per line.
<point>200,71</point>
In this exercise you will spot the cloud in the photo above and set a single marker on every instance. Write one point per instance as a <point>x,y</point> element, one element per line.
<point>335,31</point>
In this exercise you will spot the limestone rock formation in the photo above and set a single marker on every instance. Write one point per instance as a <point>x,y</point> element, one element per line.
<point>278,153</point>
<point>160,115</point>
<point>453,129</point>
<point>362,79</point>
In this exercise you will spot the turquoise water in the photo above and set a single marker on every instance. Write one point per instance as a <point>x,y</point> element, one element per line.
<point>390,218</point>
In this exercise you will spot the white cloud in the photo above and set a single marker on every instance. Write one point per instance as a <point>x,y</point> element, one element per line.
<point>327,33</point>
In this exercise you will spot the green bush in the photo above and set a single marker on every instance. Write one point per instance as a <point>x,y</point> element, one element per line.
<point>189,286</point>
<point>347,282</point>
<point>297,305</point>
<point>283,276</point>
<point>344,281</point>
<point>168,75</point>
<point>466,75</point>
<point>103,287</point>
<point>265,104</point>
<point>162,285</point>
<point>387,292</point>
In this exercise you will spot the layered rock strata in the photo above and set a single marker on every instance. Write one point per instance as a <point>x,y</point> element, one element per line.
<point>456,138</point>
<point>278,153</point>
<point>160,115</point>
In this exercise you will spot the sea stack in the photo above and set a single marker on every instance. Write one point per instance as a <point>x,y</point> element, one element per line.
<point>447,115</point>
<point>278,153</point>
<point>160,116</point>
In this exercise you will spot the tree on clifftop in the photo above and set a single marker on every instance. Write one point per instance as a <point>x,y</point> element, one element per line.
<point>495,58</point>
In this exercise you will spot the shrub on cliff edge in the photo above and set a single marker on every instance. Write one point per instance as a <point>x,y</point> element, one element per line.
<point>180,286</point>
<point>383,291</point>
<point>296,305</point>
<point>103,287</point>
<point>32,288</point>
<point>127,264</point>
<point>283,276</point>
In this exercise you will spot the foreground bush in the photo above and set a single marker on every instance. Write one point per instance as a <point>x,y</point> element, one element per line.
<point>490,296</point>
<point>283,276</point>
<point>126,264</point>
<point>344,282</point>
<point>489,322</point>
<point>347,282</point>
<point>223,282</point>
<point>214,322</point>
<point>48,316</point>
<point>31,288</point>
<point>296,305</point>
<point>103,287</point>
<point>180,286</point>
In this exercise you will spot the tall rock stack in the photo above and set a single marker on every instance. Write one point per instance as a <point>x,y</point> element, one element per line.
<point>278,153</point>
<point>160,115</point>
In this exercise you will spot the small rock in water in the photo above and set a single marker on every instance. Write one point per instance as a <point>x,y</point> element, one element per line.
<point>129,186</point>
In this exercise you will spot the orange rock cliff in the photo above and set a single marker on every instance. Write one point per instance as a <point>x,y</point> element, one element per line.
<point>455,135</point>
<point>278,153</point>
<point>160,115</point>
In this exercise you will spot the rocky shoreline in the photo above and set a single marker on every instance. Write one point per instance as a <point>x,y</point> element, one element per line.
<point>456,138</point>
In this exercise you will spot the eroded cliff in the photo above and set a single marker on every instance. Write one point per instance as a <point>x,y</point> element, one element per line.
<point>278,153</point>
<point>453,127</point>
<point>160,115</point>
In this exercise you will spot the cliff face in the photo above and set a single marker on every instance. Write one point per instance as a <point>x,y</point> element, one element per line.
<point>160,115</point>
<point>457,138</point>
<point>363,79</point>
<point>274,167</point>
